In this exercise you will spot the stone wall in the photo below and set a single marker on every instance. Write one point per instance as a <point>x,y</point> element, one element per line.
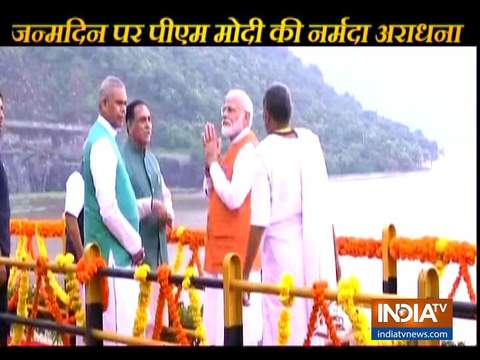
<point>39,157</point>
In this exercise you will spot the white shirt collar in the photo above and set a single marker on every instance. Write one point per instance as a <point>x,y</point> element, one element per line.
<point>107,125</point>
<point>241,135</point>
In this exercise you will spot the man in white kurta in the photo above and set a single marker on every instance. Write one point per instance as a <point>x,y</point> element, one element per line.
<point>290,214</point>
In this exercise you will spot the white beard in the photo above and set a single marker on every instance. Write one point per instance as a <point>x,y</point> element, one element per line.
<point>234,129</point>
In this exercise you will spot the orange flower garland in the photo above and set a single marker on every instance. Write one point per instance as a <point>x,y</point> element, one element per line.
<point>51,228</point>
<point>36,298</point>
<point>320,304</point>
<point>50,298</point>
<point>86,269</point>
<point>157,329</point>
<point>358,247</point>
<point>46,228</point>
<point>463,272</point>
<point>187,236</point>
<point>163,275</point>
<point>193,238</point>
<point>425,249</point>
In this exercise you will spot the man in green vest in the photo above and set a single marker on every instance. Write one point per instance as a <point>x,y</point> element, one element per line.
<point>147,182</point>
<point>112,213</point>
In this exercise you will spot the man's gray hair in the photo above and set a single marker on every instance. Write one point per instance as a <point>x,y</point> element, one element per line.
<point>108,83</point>
<point>245,100</point>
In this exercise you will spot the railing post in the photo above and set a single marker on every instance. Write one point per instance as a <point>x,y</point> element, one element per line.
<point>428,287</point>
<point>94,307</point>
<point>232,301</point>
<point>389,263</point>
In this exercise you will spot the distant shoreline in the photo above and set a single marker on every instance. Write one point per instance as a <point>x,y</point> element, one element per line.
<point>192,191</point>
<point>377,175</point>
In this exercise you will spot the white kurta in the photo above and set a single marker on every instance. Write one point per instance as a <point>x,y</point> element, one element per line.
<point>289,198</point>
<point>74,194</point>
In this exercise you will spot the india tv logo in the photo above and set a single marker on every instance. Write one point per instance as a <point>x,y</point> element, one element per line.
<point>412,319</point>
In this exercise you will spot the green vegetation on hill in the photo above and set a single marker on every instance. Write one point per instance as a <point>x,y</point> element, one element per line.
<point>185,87</point>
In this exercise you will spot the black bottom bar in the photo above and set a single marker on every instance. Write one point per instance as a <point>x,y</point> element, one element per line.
<point>233,336</point>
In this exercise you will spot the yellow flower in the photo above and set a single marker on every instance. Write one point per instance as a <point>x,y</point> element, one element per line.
<point>347,288</point>
<point>178,258</point>
<point>20,251</point>
<point>73,288</point>
<point>200,331</point>
<point>57,289</point>
<point>21,307</point>
<point>440,266</point>
<point>440,245</point>
<point>141,272</point>
<point>42,248</point>
<point>201,334</point>
<point>286,285</point>
<point>284,327</point>
<point>189,272</point>
<point>179,232</point>
<point>141,316</point>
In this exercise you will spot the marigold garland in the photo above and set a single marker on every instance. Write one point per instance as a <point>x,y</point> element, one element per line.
<point>357,247</point>
<point>86,270</point>
<point>22,292</point>
<point>194,239</point>
<point>158,326</point>
<point>438,251</point>
<point>286,285</point>
<point>401,247</point>
<point>36,300</point>
<point>318,290</point>
<point>46,227</point>
<point>284,326</point>
<point>425,249</point>
<point>141,317</point>
<point>347,289</point>
<point>51,300</point>
<point>178,258</point>
<point>21,306</point>
<point>57,289</point>
<point>187,236</point>
<point>72,286</point>
<point>163,276</point>
<point>463,273</point>
<point>20,251</point>
<point>200,330</point>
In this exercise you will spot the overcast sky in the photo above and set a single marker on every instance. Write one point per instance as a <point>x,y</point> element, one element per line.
<point>431,88</point>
